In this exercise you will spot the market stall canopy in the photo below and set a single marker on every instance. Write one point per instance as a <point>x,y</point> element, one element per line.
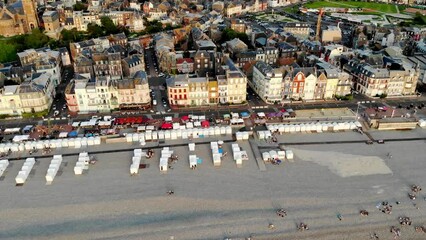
<point>166,126</point>
<point>205,124</point>
<point>63,134</point>
<point>261,114</point>
<point>73,134</point>
<point>245,114</point>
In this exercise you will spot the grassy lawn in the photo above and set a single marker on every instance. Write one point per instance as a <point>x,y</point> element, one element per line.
<point>381,7</point>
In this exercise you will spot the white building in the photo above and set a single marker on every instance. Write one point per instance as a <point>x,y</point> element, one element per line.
<point>267,82</point>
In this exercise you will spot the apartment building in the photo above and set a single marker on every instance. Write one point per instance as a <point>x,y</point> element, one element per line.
<point>37,93</point>
<point>178,90</point>
<point>44,60</point>
<point>132,64</point>
<point>267,82</point>
<point>228,87</point>
<point>103,94</point>
<point>300,30</point>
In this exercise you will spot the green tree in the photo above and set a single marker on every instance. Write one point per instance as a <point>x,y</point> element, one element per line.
<point>94,30</point>
<point>36,39</point>
<point>8,52</point>
<point>154,27</point>
<point>79,7</point>
<point>108,25</point>
<point>229,34</point>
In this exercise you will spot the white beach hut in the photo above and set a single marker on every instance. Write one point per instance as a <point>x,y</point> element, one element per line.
<point>184,134</point>
<point>281,155</point>
<point>281,128</point>
<point>266,156</point>
<point>318,127</point>
<point>191,147</point>
<point>135,137</point>
<point>148,135</point>
<point>97,140</point>
<point>91,141</point>
<point>161,135</point>
<point>129,137</point>
<point>289,154</point>
<point>163,164</point>
<point>261,134</point>
<point>216,159</point>
<point>3,166</point>
<point>173,135</point>
<point>192,161</point>
<point>239,136</point>
<point>77,143</point>
<point>297,128</point>
<point>229,130</point>
<point>273,154</point>
<point>216,130</point>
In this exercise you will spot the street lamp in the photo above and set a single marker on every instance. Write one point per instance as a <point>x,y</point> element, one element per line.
<point>357,109</point>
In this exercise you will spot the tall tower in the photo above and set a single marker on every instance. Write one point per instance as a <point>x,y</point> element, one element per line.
<point>30,11</point>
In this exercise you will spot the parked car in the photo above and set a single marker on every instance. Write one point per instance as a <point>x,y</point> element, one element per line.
<point>154,102</point>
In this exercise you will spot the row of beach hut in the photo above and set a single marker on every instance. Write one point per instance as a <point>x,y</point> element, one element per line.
<point>82,163</point>
<point>192,157</point>
<point>25,171</point>
<point>422,123</point>
<point>53,143</point>
<point>166,153</point>
<point>53,168</point>
<point>3,165</point>
<point>277,155</point>
<point>239,154</point>
<point>136,160</point>
<point>178,134</point>
<point>314,127</point>
<point>242,136</point>
<point>217,152</point>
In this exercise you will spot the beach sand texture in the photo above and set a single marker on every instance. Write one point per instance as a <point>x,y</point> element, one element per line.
<point>220,202</point>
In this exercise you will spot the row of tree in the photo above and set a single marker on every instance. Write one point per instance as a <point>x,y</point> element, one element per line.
<point>37,39</point>
<point>10,46</point>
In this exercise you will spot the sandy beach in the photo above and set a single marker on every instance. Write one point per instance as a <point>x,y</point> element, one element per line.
<point>223,202</point>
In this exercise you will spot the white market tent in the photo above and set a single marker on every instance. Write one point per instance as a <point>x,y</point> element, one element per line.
<point>63,134</point>
<point>261,114</point>
<point>21,138</point>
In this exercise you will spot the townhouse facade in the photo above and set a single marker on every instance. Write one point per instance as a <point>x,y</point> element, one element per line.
<point>84,95</point>
<point>267,82</point>
<point>35,94</point>
<point>228,87</point>
<point>398,80</point>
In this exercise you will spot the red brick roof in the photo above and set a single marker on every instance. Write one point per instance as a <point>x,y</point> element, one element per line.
<point>181,60</point>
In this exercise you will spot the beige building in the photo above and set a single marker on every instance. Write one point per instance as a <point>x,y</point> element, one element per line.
<point>51,24</point>
<point>178,90</point>
<point>10,101</point>
<point>18,18</point>
<point>103,95</point>
<point>228,87</point>
<point>300,30</point>
<point>331,34</point>
<point>133,93</point>
<point>37,93</point>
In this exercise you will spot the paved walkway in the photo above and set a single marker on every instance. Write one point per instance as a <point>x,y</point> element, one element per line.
<point>257,155</point>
